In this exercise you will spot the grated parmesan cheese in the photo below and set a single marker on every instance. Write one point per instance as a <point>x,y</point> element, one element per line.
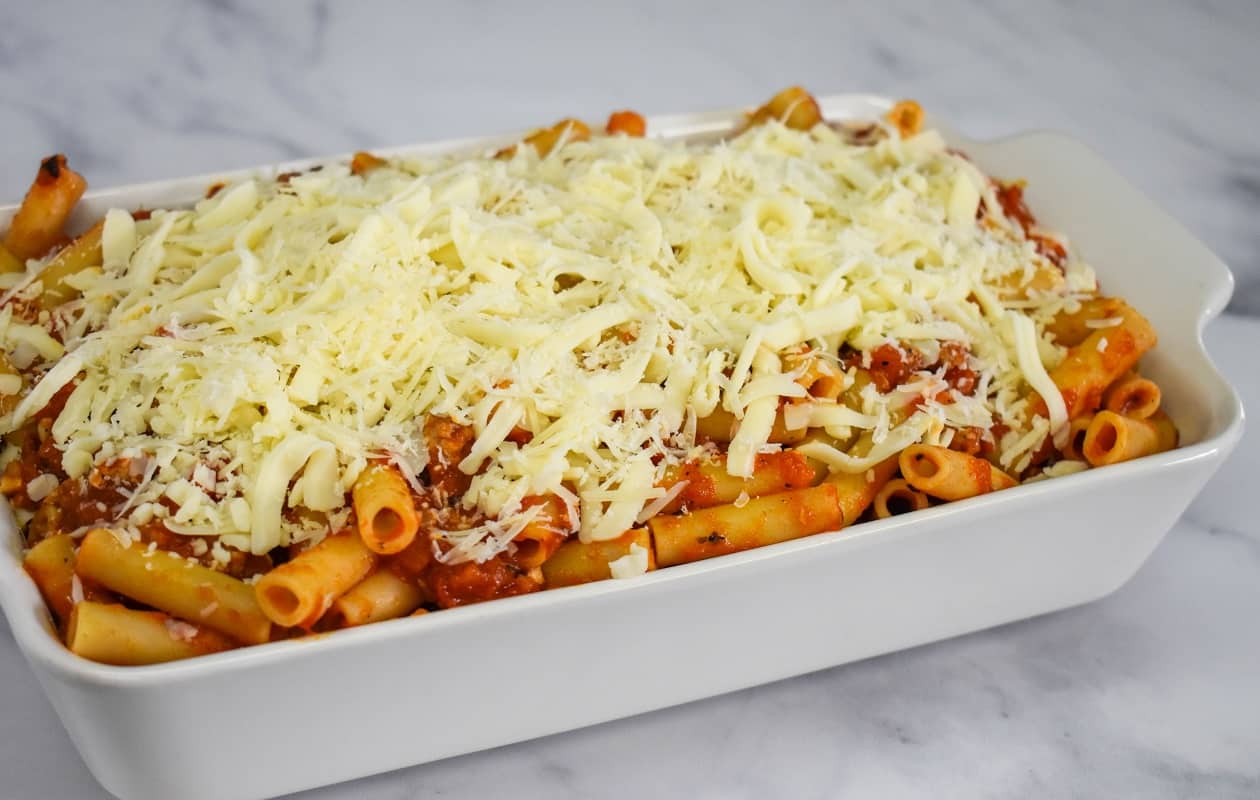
<point>178,629</point>
<point>631,564</point>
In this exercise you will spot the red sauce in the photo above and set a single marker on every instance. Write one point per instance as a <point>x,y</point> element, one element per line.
<point>960,377</point>
<point>890,365</point>
<point>449,444</point>
<point>1011,197</point>
<point>240,564</point>
<point>969,440</point>
<point>464,584</point>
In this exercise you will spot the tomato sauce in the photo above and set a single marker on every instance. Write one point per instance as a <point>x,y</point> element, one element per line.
<point>463,584</point>
<point>1011,197</point>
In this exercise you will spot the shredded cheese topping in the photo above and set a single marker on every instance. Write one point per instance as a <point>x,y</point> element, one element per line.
<point>257,349</point>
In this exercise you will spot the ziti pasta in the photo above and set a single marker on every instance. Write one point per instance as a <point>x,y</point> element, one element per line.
<point>378,388</point>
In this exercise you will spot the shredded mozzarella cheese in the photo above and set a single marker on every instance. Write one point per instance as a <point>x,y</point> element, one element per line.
<point>603,299</point>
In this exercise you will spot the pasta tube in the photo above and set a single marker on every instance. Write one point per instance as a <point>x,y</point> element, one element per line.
<point>1070,329</point>
<point>544,534</point>
<point>387,516</point>
<point>75,257</point>
<point>298,592</point>
<point>362,163</point>
<point>730,528</point>
<point>1112,438</point>
<point>114,634</point>
<point>1075,447</point>
<point>856,491</point>
<point>582,562</point>
<point>948,474</point>
<point>907,117</point>
<point>547,139</point>
<point>628,122</point>
<point>794,107</point>
<point>899,497</point>
<point>1094,364</point>
<point>51,565</point>
<point>10,263</point>
<point>382,595</point>
<point>709,484</point>
<point>720,427</point>
<point>36,227</point>
<point>1133,396</point>
<point>172,584</point>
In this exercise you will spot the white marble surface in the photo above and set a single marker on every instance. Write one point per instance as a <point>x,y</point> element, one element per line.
<point>1153,692</point>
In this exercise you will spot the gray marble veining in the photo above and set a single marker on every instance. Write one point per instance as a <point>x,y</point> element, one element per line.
<point>1151,692</point>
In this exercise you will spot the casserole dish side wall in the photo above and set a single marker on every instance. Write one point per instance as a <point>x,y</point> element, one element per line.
<point>487,679</point>
<point>283,717</point>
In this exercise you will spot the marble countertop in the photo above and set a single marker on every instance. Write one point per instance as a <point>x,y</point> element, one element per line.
<point>1150,692</point>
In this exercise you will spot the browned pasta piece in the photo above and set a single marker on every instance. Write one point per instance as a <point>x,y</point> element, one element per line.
<point>709,484</point>
<point>948,474</point>
<point>630,123</point>
<point>297,593</point>
<point>547,139</point>
<point>385,511</point>
<point>899,497</point>
<point>1112,438</point>
<point>907,117</point>
<point>730,528</point>
<point>1094,364</point>
<point>173,584</point>
<point>75,257</point>
<point>1075,447</point>
<point>380,596</point>
<point>583,562</point>
<point>1133,396</point>
<point>794,107</point>
<point>37,225</point>
<point>114,634</point>
<point>362,163</point>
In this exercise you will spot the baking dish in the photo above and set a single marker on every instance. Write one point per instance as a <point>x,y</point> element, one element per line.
<point>291,715</point>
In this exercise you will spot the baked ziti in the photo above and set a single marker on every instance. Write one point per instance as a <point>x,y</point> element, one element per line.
<point>390,386</point>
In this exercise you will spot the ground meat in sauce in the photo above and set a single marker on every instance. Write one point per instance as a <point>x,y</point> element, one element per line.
<point>970,440</point>
<point>99,498</point>
<point>960,377</point>
<point>890,366</point>
<point>449,443</point>
<point>73,505</point>
<point>464,584</point>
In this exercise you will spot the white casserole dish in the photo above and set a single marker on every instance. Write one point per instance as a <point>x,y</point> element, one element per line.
<point>286,716</point>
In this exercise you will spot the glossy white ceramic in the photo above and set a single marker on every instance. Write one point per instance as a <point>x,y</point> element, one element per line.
<point>278,718</point>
